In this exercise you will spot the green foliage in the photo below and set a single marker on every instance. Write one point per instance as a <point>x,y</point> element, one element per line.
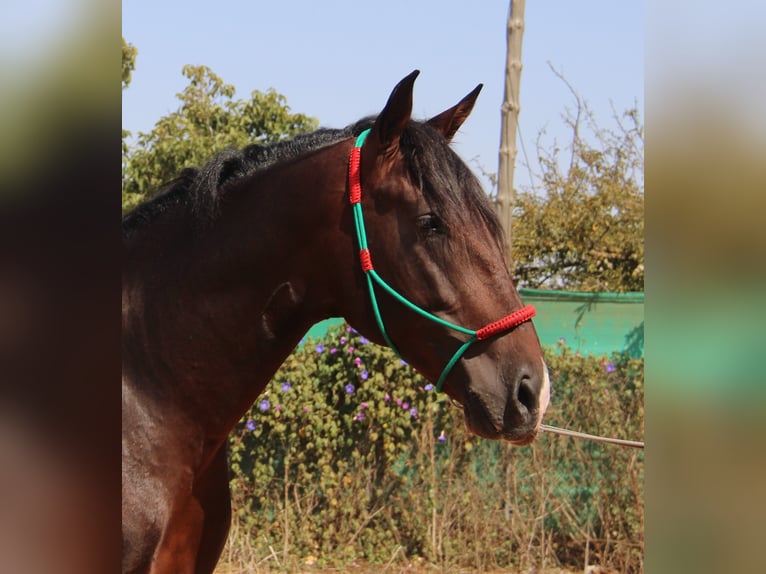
<point>327,476</point>
<point>208,120</point>
<point>340,420</point>
<point>129,53</point>
<point>585,232</point>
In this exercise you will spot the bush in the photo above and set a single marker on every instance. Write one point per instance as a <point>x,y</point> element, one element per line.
<point>350,455</point>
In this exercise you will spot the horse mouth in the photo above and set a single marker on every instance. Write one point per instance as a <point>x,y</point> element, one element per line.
<point>479,422</point>
<point>524,441</point>
<point>518,438</point>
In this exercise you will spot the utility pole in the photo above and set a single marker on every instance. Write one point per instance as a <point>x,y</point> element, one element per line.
<point>506,196</point>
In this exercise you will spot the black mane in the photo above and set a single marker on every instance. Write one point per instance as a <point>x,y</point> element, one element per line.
<point>201,189</point>
<point>447,183</point>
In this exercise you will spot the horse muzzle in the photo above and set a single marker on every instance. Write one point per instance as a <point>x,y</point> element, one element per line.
<point>514,413</point>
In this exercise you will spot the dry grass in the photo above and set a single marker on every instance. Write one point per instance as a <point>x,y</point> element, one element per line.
<point>411,568</point>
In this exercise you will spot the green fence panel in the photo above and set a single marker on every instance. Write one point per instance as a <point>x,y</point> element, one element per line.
<point>591,323</point>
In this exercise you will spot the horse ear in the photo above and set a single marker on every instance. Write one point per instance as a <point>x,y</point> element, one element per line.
<point>449,121</point>
<point>389,125</point>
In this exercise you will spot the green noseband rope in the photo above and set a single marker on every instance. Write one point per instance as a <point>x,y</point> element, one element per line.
<point>503,325</point>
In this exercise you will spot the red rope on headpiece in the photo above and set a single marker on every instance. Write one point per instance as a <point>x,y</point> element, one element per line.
<point>354,182</point>
<point>506,323</point>
<point>366,259</point>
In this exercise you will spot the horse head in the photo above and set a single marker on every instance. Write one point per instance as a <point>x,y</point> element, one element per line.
<point>433,236</point>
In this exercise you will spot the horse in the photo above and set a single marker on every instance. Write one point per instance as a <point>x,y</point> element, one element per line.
<point>226,270</point>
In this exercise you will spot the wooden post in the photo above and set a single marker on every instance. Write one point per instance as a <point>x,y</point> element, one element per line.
<point>506,197</point>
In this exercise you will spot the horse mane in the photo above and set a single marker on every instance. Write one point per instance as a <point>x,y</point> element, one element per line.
<point>446,181</point>
<point>201,189</point>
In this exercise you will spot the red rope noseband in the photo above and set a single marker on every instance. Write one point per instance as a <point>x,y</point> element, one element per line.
<point>506,323</point>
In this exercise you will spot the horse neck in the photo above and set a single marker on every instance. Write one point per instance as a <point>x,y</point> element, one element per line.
<point>208,317</point>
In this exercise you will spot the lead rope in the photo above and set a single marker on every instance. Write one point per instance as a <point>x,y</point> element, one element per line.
<point>576,434</point>
<point>595,438</point>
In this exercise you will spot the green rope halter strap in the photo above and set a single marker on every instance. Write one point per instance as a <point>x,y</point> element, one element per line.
<point>503,325</point>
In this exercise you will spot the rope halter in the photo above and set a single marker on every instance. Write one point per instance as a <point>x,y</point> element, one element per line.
<point>500,326</point>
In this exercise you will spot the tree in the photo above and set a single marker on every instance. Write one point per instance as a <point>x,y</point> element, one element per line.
<point>208,120</point>
<point>129,53</point>
<point>586,230</point>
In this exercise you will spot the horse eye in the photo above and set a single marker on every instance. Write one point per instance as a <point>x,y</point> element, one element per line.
<point>430,223</point>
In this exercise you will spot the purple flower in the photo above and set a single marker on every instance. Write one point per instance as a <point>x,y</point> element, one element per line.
<point>350,389</point>
<point>305,409</point>
<point>362,406</point>
<point>250,424</point>
<point>386,397</point>
<point>442,438</point>
<point>399,402</point>
<point>406,406</point>
<point>363,340</point>
<point>403,362</point>
<point>351,349</point>
<point>610,368</point>
<point>278,407</point>
<point>264,405</point>
<point>429,387</point>
<point>365,375</point>
<point>343,340</point>
<point>333,351</point>
<point>359,416</point>
<point>320,348</point>
<point>414,413</point>
<point>358,362</point>
<point>348,329</point>
<point>286,386</point>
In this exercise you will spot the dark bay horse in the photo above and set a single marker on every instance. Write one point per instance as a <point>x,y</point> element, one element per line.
<point>225,271</point>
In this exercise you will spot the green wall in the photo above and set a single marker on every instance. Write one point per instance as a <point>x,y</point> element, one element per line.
<point>591,323</point>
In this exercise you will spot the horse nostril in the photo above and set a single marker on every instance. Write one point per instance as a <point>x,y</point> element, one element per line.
<point>526,394</point>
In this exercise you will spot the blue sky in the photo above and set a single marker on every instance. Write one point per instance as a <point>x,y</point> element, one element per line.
<point>338,60</point>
